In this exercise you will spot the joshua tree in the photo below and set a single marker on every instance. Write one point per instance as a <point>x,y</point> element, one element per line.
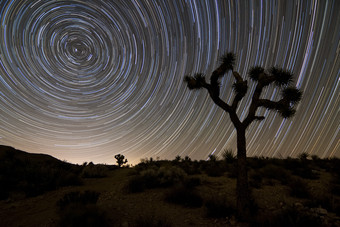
<point>120,159</point>
<point>263,78</point>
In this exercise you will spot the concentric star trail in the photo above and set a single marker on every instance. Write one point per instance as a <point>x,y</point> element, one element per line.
<point>85,80</point>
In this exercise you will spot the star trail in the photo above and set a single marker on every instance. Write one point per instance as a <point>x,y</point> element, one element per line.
<point>85,80</point>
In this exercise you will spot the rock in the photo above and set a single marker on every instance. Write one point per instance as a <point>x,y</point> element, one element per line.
<point>232,220</point>
<point>298,205</point>
<point>320,211</point>
<point>125,224</point>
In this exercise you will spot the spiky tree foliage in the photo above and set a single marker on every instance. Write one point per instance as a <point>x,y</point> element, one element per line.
<point>120,159</point>
<point>286,107</point>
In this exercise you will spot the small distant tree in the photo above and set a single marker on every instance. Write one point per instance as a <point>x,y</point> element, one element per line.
<point>286,107</point>
<point>303,156</point>
<point>187,159</point>
<point>228,156</point>
<point>177,158</point>
<point>212,158</point>
<point>120,159</point>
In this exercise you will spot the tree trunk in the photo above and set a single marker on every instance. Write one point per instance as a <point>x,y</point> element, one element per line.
<point>243,196</point>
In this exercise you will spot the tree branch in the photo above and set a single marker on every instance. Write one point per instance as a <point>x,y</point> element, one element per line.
<point>219,102</point>
<point>240,87</point>
<point>254,104</point>
<point>269,104</point>
<point>259,118</point>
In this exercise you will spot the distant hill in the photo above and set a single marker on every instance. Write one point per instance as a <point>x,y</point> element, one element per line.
<point>10,153</point>
<point>24,174</point>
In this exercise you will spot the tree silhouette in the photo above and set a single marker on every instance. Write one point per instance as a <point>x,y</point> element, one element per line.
<point>120,159</point>
<point>263,78</point>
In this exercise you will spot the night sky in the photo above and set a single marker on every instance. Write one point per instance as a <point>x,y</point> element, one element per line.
<point>85,80</point>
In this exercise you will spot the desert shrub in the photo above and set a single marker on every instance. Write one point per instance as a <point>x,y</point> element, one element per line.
<point>324,200</point>
<point>184,196</point>
<point>335,178</point>
<point>301,168</point>
<point>334,165</point>
<point>94,171</point>
<point>275,172</point>
<point>255,179</point>
<point>291,163</point>
<point>315,158</point>
<point>79,209</point>
<point>288,217</point>
<point>68,179</point>
<point>154,177</point>
<point>146,179</point>
<point>85,216</point>
<point>162,177</point>
<point>257,162</point>
<point>151,221</point>
<point>306,172</point>
<point>298,188</point>
<point>214,169</point>
<point>169,175</point>
<point>335,188</point>
<point>228,156</point>
<point>150,178</point>
<point>146,164</point>
<point>336,206</point>
<point>303,156</point>
<point>192,182</point>
<point>76,197</point>
<point>232,170</point>
<point>219,207</point>
<point>135,184</point>
<point>189,167</point>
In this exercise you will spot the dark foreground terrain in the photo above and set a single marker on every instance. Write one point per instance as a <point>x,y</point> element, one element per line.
<point>39,190</point>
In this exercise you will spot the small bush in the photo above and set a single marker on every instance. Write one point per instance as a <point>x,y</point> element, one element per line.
<point>275,172</point>
<point>151,221</point>
<point>156,177</point>
<point>167,176</point>
<point>335,189</point>
<point>306,172</point>
<point>232,172</point>
<point>217,207</point>
<point>315,158</point>
<point>69,179</point>
<point>135,184</point>
<point>298,188</point>
<point>289,217</point>
<point>257,162</point>
<point>255,180</point>
<point>214,170</point>
<point>303,156</point>
<point>228,156</point>
<point>150,178</point>
<point>334,165</point>
<point>76,197</point>
<point>79,209</point>
<point>94,171</point>
<point>84,216</point>
<point>324,200</point>
<point>190,168</point>
<point>184,196</point>
<point>192,182</point>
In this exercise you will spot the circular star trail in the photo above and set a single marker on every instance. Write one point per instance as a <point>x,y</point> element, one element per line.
<point>85,80</point>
